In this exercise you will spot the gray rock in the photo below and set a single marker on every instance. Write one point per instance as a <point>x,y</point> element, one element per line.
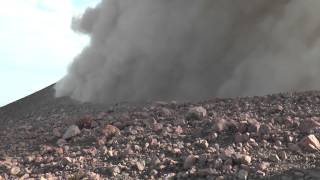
<point>283,155</point>
<point>196,113</point>
<point>189,161</point>
<point>240,138</point>
<point>253,125</point>
<point>72,131</point>
<point>264,130</point>
<point>274,158</point>
<point>61,142</point>
<point>243,174</point>
<point>286,178</point>
<point>309,124</point>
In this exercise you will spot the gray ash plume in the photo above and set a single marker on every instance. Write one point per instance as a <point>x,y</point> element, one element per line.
<point>194,49</point>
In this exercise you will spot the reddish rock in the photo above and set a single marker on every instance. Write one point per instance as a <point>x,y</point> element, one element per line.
<point>86,122</point>
<point>157,127</point>
<point>289,121</point>
<point>59,150</point>
<point>45,149</point>
<point>279,108</point>
<point>153,142</point>
<point>310,143</point>
<point>110,130</point>
<point>30,158</point>
<point>176,151</point>
<point>228,152</point>
<point>263,166</point>
<point>178,130</point>
<point>243,159</point>
<point>202,143</point>
<point>25,176</point>
<point>222,124</point>
<point>101,141</point>
<point>91,151</point>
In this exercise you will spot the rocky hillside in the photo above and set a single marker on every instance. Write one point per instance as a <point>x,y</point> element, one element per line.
<point>268,137</point>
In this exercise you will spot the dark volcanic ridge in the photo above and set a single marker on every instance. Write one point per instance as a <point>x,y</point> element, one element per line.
<point>263,137</point>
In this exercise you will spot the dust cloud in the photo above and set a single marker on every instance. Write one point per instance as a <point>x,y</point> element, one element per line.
<point>194,49</point>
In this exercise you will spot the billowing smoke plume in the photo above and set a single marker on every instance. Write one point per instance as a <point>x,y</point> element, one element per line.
<point>194,49</point>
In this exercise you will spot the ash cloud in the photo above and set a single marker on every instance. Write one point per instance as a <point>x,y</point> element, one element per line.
<point>194,49</point>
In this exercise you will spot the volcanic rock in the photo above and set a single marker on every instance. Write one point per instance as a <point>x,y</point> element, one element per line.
<point>246,138</point>
<point>253,125</point>
<point>274,158</point>
<point>15,170</point>
<point>309,124</point>
<point>310,143</point>
<point>243,174</point>
<point>86,122</point>
<point>196,113</point>
<point>189,161</point>
<point>72,131</point>
<point>110,130</point>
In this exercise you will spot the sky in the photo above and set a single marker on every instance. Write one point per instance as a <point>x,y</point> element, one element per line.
<point>37,44</point>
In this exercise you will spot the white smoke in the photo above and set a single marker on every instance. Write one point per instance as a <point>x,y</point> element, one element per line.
<point>195,49</point>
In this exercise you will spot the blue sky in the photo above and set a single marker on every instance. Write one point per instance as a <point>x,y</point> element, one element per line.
<point>37,44</point>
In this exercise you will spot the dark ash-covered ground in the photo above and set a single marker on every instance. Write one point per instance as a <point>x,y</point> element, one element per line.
<point>267,137</point>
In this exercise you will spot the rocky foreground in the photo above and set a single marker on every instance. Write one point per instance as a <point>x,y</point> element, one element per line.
<point>270,137</point>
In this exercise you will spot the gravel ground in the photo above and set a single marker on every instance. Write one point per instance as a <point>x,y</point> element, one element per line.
<point>265,137</point>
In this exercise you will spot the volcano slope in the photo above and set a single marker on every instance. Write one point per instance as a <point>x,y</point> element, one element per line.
<point>266,137</point>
